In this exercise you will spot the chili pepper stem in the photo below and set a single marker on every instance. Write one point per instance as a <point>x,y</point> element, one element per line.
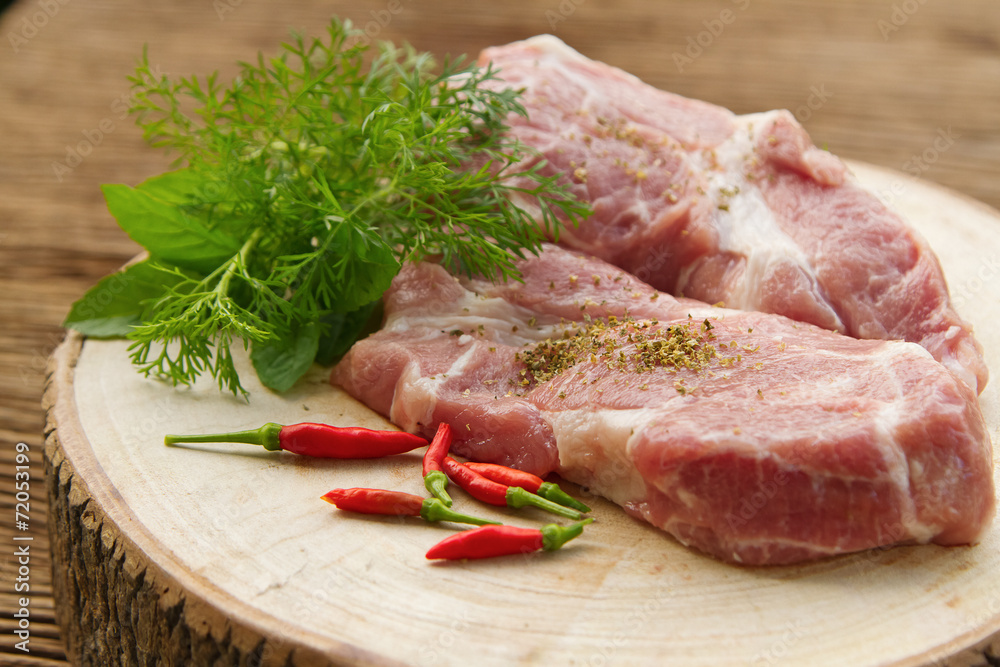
<point>266,436</point>
<point>435,510</point>
<point>435,480</point>
<point>518,497</point>
<point>436,483</point>
<point>552,492</point>
<point>554,535</point>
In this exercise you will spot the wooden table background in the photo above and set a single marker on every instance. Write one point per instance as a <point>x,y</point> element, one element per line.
<point>913,85</point>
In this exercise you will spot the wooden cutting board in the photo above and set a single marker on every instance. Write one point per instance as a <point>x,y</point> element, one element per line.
<point>225,554</point>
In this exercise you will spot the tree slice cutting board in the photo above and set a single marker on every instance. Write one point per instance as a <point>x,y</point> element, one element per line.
<point>224,554</point>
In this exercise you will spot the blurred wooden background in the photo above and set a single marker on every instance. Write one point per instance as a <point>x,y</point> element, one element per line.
<point>912,85</point>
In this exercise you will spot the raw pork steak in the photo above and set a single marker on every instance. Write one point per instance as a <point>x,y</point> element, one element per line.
<point>742,210</point>
<point>750,436</point>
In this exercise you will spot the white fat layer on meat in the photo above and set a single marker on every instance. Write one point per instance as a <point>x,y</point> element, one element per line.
<point>414,399</point>
<point>414,389</point>
<point>595,450</point>
<point>905,474</point>
<point>952,360</point>
<point>900,471</point>
<point>960,370</point>
<point>745,223</point>
<point>501,321</point>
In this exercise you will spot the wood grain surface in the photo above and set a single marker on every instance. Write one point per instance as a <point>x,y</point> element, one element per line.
<point>907,84</point>
<point>223,554</point>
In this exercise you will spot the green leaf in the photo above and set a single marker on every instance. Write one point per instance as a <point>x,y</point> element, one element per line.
<point>308,181</point>
<point>351,268</point>
<point>166,231</point>
<point>343,329</point>
<point>181,186</point>
<point>115,304</point>
<point>369,267</point>
<point>281,360</point>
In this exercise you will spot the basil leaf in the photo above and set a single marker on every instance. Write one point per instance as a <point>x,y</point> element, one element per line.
<point>343,329</point>
<point>281,360</point>
<point>166,231</point>
<point>180,186</point>
<point>361,266</point>
<point>115,304</point>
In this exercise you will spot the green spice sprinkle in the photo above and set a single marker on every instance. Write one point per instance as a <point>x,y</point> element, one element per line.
<point>625,345</point>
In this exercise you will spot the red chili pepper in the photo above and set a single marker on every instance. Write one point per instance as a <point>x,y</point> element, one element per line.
<point>318,440</point>
<point>435,480</point>
<point>397,503</point>
<point>490,541</point>
<point>528,482</point>
<point>499,494</point>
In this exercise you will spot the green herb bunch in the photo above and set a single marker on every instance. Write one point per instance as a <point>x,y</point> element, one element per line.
<point>304,185</point>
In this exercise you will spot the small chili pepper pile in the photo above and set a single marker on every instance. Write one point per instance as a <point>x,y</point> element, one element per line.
<point>487,482</point>
<point>495,493</point>
<point>528,482</point>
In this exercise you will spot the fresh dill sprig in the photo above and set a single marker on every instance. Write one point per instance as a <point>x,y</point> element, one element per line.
<point>303,186</point>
